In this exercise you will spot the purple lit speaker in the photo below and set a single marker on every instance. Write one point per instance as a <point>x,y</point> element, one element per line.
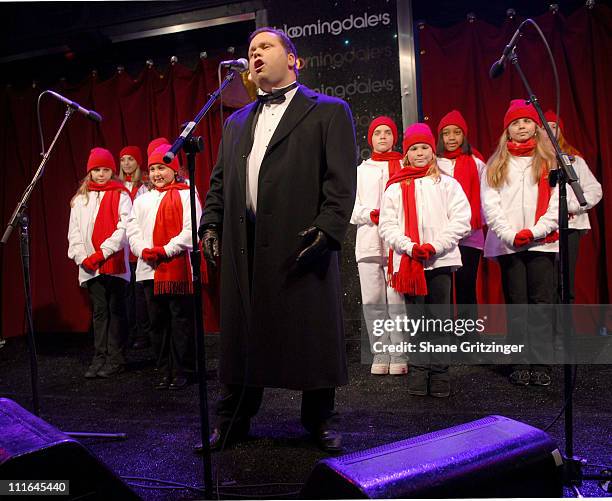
<point>491,457</point>
<point>31,449</point>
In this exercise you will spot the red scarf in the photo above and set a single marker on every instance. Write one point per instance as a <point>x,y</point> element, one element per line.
<point>106,224</point>
<point>392,157</point>
<point>466,173</point>
<point>172,275</point>
<point>410,278</point>
<point>526,149</point>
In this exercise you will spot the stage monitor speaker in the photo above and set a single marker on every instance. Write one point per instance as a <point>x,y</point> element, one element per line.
<point>491,457</point>
<point>31,449</point>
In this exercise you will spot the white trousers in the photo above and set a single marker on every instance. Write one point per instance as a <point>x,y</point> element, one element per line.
<point>380,301</point>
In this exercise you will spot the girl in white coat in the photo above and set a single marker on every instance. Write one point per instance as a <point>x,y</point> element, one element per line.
<point>578,223</point>
<point>423,217</point>
<point>521,211</point>
<point>457,158</point>
<point>159,231</point>
<point>97,244</point>
<point>371,253</point>
<point>130,173</point>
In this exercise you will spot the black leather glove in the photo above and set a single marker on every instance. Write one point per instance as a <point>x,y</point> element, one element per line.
<point>210,243</point>
<point>315,244</point>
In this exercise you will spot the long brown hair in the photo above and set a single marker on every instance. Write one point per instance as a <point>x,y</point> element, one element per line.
<point>542,161</point>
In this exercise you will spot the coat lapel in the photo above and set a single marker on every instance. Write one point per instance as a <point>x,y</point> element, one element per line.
<point>303,101</point>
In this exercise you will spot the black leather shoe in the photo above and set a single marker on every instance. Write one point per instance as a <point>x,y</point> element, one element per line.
<point>417,382</point>
<point>162,384</point>
<point>110,370</point>
<point>439,385</point>
<point>329,441</point>
<point>216,439</point>
<point>520,377</point>
<point>178,383</point>
<point>140,344</point>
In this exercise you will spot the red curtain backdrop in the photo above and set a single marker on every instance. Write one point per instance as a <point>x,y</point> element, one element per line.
<point>134,111</point>
<point>454,66</point>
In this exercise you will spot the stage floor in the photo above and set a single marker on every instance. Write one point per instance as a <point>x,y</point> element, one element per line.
<point>162,426</point>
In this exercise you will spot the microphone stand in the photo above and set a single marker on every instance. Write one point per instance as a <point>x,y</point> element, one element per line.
<point>564,174</point>
<point>20,219</point>
<point>193,145</point>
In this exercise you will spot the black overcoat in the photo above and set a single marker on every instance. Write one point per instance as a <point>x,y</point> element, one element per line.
<point>283,327</point>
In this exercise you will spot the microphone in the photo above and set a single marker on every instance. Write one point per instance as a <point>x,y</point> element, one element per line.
<point>91,114</point>
<point>500,65</point>
<point>240,65</point>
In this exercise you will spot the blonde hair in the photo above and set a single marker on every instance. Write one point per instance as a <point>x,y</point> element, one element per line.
<point>542,161</point>
<point>84,190</point>
<point>434,169</point>
<point>565,146</point>
<point>136,177</point>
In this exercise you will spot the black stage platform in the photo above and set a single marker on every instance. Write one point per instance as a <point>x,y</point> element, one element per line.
<point>163,426</point>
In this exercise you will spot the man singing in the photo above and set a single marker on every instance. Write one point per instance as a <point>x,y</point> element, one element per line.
<point>280,200</point>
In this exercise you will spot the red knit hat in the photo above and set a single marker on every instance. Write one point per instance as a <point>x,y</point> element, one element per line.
<point>155,143</point>
<point>133,151</point>
<point>520,109</point>
<point>157,157</point>
<point>550,116</point>
<point>418,133</point>
<point>377,122</point>
<point>101,157</point>
<point>453,118</point>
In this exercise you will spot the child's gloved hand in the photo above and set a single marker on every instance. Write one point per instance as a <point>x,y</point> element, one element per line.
<point>93,262</point>
<point>523,237</point>
<point>154,254</point>
<point>423,252</point>
<point>375,216</point>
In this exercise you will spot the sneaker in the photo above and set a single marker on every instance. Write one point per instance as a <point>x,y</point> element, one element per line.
<point>539,378</point>
<point>92,371</point>
<point>439,385</point>
<point>417,383</point>
<point>398,366</point>
<point>110,370</point>
<point>520,377</point>
<point>380,365</point>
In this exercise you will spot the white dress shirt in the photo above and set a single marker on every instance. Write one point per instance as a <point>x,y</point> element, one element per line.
<point>270,116</point>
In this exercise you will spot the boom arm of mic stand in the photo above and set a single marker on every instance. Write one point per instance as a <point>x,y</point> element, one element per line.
<point>562,160</point>
<point>188,130</point>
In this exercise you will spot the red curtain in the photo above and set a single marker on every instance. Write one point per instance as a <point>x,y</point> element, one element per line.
<point>134,111</point>
<point>454,66</point>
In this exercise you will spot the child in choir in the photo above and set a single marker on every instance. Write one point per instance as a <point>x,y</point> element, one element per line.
<point>521,211</point>
<point>370,251</point>
<point>457,158</point>
<point>130,160</point>
<point>423,217</point>
<point>98,245</point>
<point>578,223</point>
<point>159,231</point>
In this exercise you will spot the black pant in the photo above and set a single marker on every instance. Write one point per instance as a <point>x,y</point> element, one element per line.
<point>465,283</point>
<point>573,241</point>
<point>527,279</point>
<point>436,305</point>
<point>107,295</point>
<point>172,331</point>
<point>139,327</point>
<point>317,410</point>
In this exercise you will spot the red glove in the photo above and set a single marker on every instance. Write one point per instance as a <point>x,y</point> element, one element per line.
<point>375,216</point>
<point>93,262</point>
<point>154,254</point>
<point>523,237</point>
<point>423,252</point>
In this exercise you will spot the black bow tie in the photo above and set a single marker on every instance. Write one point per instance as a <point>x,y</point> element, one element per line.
<point>276,97</point>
